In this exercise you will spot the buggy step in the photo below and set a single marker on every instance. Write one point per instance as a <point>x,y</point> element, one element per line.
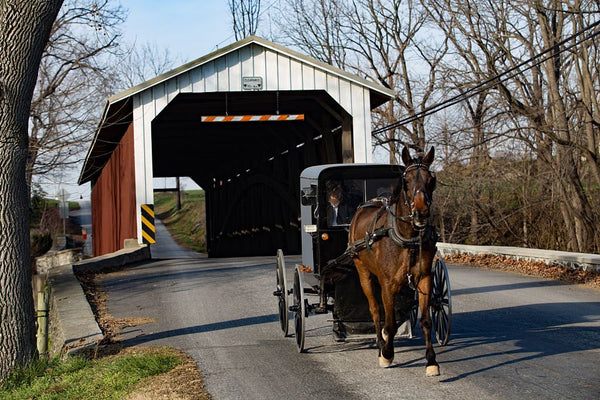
<point>311,308</point>
<point>319,310</point>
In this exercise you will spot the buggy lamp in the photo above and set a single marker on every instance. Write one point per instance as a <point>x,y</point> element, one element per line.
<point>310,228</point>
<point>325,236</point>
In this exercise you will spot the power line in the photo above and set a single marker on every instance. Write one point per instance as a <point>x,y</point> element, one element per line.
<point>493,81</point>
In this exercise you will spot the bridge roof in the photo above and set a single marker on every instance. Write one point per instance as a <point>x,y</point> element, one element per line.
<point>210,76</point>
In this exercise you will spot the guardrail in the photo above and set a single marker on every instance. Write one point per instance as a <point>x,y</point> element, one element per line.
<point>584,261</point>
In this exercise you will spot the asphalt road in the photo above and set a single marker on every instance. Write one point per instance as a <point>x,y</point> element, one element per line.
<point>513,337</point>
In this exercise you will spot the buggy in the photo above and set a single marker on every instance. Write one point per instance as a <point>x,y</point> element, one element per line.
<point>327,273</point>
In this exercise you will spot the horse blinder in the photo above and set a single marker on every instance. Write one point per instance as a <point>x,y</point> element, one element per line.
<point>421,200</point>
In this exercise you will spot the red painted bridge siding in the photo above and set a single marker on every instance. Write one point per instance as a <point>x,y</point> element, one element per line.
<point>113,199</point>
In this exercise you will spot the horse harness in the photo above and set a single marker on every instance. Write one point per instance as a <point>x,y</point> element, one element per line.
<point>427,237</point>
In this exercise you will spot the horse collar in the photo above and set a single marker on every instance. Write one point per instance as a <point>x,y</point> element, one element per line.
<point>426,237</point>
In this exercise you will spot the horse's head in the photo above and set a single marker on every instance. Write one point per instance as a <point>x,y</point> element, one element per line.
<point>418,184</point>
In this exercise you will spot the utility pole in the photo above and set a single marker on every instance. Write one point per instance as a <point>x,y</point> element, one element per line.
<point>177,184</point>
<point>63,197</point>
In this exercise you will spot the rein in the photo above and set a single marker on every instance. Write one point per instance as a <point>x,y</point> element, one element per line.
<point>390,229</point>
<point>426,236</point>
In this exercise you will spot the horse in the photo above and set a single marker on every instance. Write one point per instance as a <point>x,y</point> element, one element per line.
<point>401,255</point>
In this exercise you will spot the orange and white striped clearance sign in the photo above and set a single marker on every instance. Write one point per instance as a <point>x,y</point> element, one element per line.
<point>253,118</point>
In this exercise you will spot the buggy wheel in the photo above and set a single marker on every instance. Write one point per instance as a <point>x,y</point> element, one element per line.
<point>441,303</point>
<point>281,293</point>
<point>299,309</point>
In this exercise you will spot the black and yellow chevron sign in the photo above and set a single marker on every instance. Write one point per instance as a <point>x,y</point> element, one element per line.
<point>148,229</point>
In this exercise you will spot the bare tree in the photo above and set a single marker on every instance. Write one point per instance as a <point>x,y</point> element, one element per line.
<point>245,15</point>
<point>376,39</point>
<point>523,79</point>
<point>24,30</point>
<point>73,82</point>
<point>141,63</point>
<point>543,71</point>
<point>463,71</point>
<point>315,26</point>
<point>387,38</point>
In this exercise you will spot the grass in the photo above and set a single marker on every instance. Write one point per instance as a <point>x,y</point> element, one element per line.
<point>187,225</point>
<point>80,377</point>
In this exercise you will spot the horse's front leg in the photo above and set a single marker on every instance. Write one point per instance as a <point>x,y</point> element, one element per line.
<point>424,288</point>
<point>390,327</point>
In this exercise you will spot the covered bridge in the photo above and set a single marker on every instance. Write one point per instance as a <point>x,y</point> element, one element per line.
<point>242,122</point>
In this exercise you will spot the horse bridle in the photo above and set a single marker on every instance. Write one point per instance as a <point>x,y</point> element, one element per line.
<point>419,178</point>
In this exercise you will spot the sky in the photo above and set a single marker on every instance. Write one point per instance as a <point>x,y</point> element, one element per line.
<point>190,29</point>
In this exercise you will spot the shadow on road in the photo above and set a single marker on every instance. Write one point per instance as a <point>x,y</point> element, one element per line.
<point>521,334</point>
<point>481,342</point>
<point>511,286</point>
<point>236,323</point>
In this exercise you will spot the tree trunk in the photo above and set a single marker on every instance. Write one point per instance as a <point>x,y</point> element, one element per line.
<point>572,191</point>
<point>24,29</point>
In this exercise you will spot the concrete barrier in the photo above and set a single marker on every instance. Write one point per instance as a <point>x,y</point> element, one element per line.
<point>585,261</point>
<point>128,255</point>
<point>73,326</point>
<point>54,259</point>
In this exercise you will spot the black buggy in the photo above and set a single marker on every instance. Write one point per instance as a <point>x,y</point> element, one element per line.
<point>327,272</point>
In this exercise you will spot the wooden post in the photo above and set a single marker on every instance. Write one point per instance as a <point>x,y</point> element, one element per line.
<point>42,317</point>
<point>178,194</point>
<point>347,146</point>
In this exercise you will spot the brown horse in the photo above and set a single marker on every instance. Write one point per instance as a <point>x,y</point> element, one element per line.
<point>401,255</point>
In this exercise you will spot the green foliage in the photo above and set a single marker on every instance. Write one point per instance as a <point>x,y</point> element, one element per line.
<point>45,224</point>
<point>40,243</point>
<point>80,378</point>
<point>41,207</point>
<point>38,206</point>
<point>187,225</point>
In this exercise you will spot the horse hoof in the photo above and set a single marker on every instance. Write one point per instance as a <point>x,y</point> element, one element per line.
<point>384,362</point>
<point>432,370</point>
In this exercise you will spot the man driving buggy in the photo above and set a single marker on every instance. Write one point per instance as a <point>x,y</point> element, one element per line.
<point>339,208</point>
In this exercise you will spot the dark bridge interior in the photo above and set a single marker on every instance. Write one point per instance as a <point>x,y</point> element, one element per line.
<point>250,170</point>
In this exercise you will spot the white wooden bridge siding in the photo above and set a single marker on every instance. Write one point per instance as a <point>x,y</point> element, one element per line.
<point>224,73</point>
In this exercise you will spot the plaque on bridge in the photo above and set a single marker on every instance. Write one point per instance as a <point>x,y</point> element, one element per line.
<point>252,83</point>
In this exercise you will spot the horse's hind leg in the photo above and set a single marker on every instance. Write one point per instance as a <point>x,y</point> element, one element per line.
<point>424,288</point>
<point>368,286</point>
